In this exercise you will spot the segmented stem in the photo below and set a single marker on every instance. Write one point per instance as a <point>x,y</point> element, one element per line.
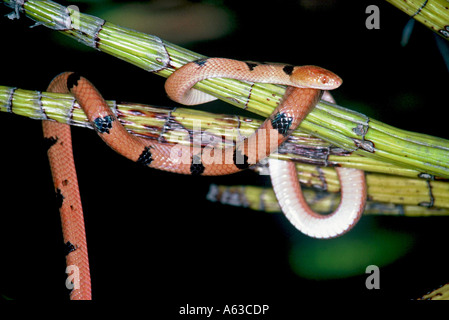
<point>176,125</point>
<point>386,197</point>
<point>434,14</point>
<point>179,125</point>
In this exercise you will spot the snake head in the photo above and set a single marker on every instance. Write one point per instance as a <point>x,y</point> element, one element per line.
<point>315,77</point>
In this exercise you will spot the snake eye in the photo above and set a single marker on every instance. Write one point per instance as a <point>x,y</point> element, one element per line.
<point>329,80</point>
<point>324,79</point>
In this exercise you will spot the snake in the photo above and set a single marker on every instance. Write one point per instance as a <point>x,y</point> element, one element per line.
<point>305,86</point>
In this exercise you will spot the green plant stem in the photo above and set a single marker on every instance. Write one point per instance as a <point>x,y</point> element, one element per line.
<point>434,14</point>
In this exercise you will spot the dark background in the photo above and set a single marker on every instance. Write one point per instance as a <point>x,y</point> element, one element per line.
<point>151,234</point>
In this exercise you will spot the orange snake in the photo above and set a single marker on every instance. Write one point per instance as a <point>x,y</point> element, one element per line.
<point>305,85</point>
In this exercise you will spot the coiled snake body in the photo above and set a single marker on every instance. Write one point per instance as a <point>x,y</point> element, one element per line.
<point>305,85</point>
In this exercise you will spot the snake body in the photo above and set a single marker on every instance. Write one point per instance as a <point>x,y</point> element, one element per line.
<point>291,200</point>
<point>62,164</point>
<point>305,85</point>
